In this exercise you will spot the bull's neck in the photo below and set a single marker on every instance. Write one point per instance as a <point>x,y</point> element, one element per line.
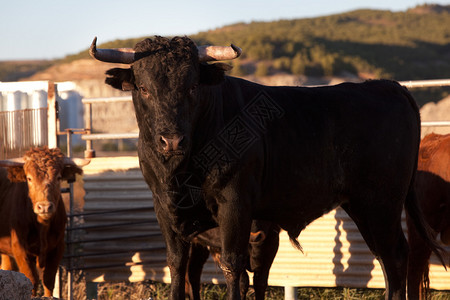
<point>220,104</point>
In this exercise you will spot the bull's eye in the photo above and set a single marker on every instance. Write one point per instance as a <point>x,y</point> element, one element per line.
<point>29,179</point>
<point>144,91</point>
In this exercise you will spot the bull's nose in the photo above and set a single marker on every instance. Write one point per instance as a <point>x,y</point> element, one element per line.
<point>44,208</point>
<point>171,142</point>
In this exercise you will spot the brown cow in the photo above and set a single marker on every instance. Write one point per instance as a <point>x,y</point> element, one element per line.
<point>433,192</point>
<point>32,213</point>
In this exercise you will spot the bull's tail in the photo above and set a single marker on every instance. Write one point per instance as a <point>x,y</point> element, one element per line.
<point>427,234</point>
<point>413,209</point>
<point>425,231</point>
<point>411,204</point>
<point>293,237</point>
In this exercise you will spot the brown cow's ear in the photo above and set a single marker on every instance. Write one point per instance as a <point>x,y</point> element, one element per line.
<point>211,74</point>
<point>70,171</point>
<point>16,174</point>
<point>122,79</point>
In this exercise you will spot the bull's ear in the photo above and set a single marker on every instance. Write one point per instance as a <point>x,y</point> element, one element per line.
<point>16,174</point>
<point>211,74</point>
<point>121,79</point>
<point>70,171</point>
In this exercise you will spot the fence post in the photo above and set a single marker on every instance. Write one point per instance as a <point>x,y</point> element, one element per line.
<point>290,293</point>
<point>89,152</point>
<point>91,290</point>
<point>52,115</point>
<point>70,272</point>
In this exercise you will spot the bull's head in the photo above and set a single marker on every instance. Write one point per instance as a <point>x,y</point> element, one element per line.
<point>43,169</point>
<point>166,78</point>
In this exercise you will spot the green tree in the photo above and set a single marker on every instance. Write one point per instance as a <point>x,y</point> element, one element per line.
<point>298,64</point>
<point>262,70</point>
<point>283,64</point>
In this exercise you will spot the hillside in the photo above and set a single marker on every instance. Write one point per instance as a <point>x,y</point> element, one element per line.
<point>16,70</point>
<point>409,45</point>
<point>369,43</point>
<point>402,45</point>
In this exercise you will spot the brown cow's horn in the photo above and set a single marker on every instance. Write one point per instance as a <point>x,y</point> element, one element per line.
<point>76,161</point>
<point>13,162</point>
<point>212,53</point>
<point>120,55</point>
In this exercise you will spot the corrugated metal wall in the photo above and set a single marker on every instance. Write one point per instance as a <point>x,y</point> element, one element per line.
<point>23,117</point>
<point>22,129</point>
<point>116,189</point>
<point>334,251</point>
<point>24,113</point>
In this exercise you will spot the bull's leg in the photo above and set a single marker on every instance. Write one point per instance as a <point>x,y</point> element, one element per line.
<point>382,231</point>
<point>418,261</point>
<point>234,224</point>
<point>262,255</point>
<point>197,258</point>
<point>244,284</point>
<point>50,268</point>
<point>177,257</point>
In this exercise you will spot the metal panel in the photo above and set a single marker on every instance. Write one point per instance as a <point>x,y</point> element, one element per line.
<point>23,117</point>
<point>22,129</point>
<point>140,241</point>
<point>334,253</point>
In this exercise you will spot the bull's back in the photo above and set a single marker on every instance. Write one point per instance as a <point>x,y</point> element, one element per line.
<point>339,142</point>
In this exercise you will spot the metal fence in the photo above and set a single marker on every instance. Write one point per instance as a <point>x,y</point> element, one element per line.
<point>27,119</point>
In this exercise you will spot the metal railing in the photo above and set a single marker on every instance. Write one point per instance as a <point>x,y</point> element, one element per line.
<point>425,83</point>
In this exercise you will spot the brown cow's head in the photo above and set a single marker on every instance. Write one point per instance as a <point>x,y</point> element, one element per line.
<point>166,79</point>
<point>43,169</point>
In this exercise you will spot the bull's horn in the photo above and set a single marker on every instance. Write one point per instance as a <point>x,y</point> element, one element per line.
<point>119,55</point>
<point>212,53</point>
<point>76,161</point>
<point>13,162</point>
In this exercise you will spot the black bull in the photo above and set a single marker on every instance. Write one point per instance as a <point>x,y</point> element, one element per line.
<point>221,151</point>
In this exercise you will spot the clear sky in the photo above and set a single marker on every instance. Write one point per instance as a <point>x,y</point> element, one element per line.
<point>48,29</point>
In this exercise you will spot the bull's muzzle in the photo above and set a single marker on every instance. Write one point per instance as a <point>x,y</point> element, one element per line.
<point>171,143</point>
<point>44,209</point>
